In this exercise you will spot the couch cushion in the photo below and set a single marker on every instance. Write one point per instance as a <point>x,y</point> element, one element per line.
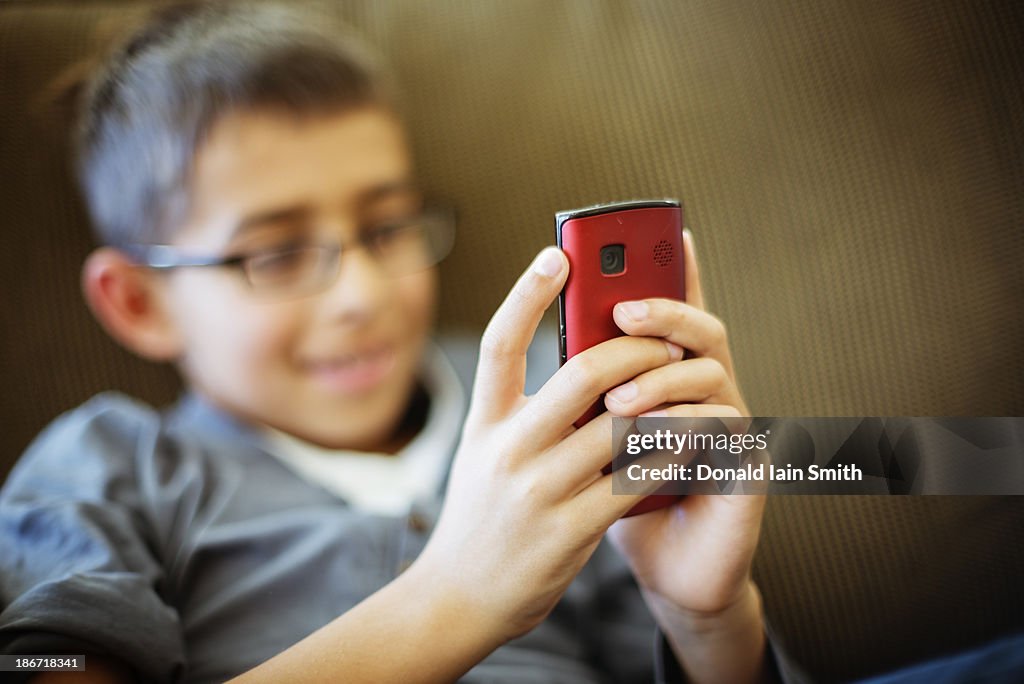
<point>852,175</point>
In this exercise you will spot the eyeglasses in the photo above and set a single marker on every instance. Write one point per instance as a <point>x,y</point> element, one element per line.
<point>302,268</point>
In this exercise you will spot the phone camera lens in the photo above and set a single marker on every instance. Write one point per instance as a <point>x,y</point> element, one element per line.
<point>613,259</point>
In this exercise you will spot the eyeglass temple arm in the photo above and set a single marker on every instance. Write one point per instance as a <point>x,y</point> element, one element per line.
<point>165,256</point>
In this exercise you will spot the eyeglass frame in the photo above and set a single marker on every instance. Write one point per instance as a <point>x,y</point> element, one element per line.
<point>168,257</point>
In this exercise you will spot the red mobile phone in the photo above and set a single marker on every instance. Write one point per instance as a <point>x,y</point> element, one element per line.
<point>617,252</point>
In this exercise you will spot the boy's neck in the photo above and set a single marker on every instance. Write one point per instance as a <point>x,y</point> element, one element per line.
<point>412,422</point>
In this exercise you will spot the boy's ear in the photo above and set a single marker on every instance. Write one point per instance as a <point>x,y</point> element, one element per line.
<point>128,301</point>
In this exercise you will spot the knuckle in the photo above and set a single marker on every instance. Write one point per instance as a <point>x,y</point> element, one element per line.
<point>719,376</point>
<point>519,296</point>
<point>729,411</point>
<point>718,332</point>
<point>666,317</point>
<point>570,522</point>
<point>676,309</point>
<point>576,519</point>
<point>504,468</point>
<point>584,373</point>
<point>494,341</point>
<point>528,487</point>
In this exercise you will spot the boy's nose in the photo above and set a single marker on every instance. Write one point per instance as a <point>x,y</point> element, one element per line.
<point>362,288</point>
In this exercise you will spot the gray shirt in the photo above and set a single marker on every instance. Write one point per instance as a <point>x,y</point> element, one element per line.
<point>173,541</point>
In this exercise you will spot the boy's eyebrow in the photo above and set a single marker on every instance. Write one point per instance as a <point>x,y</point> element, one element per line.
<point>405,186</point>
<point>298,212</point>
<point>268,218</point>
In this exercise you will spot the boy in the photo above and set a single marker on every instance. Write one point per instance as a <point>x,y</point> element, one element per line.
<point>254,189</point>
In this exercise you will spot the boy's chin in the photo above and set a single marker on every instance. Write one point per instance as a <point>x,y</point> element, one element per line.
<point>369,423</point>
<point>378,440</point>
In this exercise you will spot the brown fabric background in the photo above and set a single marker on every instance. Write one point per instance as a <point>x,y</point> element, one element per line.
<point>853,175</point>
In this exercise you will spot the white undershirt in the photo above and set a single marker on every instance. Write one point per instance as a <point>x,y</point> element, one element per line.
<point>388,483</point>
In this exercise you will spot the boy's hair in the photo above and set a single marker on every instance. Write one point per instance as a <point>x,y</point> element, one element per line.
<point>146,111</point>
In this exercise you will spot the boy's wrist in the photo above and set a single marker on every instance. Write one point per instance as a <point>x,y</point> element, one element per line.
<point>747,601</point>
<point>396,630</point>
<point>722,645</point>
<point>460,611</point>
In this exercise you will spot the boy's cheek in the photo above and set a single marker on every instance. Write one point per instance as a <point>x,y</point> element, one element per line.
<point>234,346</point>
<point>418,293</point>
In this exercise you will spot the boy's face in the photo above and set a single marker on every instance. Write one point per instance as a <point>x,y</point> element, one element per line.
<point>336,367</point>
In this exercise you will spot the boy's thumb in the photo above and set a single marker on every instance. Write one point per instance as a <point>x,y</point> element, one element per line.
<point>549,263</point>
<point>515,321</point>
<point>501,368</point>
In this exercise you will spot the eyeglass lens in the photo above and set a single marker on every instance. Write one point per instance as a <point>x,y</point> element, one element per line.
<point>398,249</point>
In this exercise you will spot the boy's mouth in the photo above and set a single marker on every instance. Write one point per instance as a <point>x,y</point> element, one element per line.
<point>353,373</point>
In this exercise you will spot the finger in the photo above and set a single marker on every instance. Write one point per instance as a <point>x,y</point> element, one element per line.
<point>694,411</point>
<point>597,506</point>
<point>678,322</point>
<point>578,459</point>
<point>596,499</point>
<point>694,293</point>
<point>693,381</point>
<point>501,369</point>
<point>577,385</point>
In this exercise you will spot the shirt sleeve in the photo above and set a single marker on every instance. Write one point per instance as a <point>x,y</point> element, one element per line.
<point>667,669</point>
<point>620,628</point>
<point>78,572</point>
<point>614,619</point>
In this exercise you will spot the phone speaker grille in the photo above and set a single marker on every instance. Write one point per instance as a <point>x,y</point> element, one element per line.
<point>663,253</point>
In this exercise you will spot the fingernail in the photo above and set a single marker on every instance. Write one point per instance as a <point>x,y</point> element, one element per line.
<point>635,311</point>
<point>675,352</point>
<point>625,393</point>
<point>548,263</point>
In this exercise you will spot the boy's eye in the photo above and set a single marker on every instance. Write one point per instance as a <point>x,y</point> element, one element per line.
<point>387,237</point>
<point>284,265</point>
<point>384,233</point>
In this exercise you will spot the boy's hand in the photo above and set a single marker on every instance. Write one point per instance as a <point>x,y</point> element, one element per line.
<point>526,502</point>
<point>693,559</point>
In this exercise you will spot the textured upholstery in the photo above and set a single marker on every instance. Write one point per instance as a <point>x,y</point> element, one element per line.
<point>853,175</point>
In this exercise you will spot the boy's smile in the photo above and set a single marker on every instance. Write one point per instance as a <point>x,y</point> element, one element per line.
<point>353,373</point>
<point>337,366</point>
